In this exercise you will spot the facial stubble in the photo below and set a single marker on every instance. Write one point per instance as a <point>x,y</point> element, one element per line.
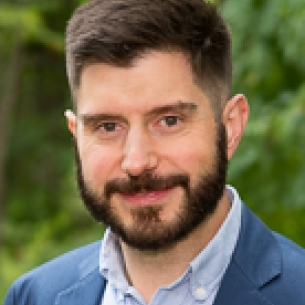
<point>148,231</point>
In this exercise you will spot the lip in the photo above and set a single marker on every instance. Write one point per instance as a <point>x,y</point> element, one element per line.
<point>146,198</point>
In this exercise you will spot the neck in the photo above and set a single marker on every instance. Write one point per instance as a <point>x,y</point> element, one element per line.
<point>149,270</point>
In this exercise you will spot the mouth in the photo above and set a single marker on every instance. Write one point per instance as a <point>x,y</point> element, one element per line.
<point>145,198</point>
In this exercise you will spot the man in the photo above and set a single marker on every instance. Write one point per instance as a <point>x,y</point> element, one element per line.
<point>154,127</point>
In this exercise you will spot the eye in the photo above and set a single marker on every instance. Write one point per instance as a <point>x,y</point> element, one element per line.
<point>109,126</point>
<point>109,129</point>
<point>170,121</point>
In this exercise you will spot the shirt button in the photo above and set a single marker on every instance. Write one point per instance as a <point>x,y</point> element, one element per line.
<point>200,292</point>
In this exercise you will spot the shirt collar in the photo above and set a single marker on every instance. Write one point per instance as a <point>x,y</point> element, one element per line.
<point>111,262</point>
<point>211,263</point>
<point>205,271</point>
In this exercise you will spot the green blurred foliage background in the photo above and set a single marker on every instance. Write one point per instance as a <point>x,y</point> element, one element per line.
<point>41,214</point>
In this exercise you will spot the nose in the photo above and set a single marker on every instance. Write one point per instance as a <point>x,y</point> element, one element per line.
<point>139,155</point>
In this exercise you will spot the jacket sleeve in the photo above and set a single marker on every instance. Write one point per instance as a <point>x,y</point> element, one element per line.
<point>9,300</point>
<point>18,294</point>
<point>42,285</point>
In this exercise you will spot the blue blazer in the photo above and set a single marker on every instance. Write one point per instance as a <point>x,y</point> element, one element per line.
<point>266,268</point>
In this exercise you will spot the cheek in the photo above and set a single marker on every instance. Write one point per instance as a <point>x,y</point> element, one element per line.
<point>193,158</point>
<point>98,164</point>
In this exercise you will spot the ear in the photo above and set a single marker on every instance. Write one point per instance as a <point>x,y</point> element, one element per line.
<point>235,116</point>
<point>71,121</point>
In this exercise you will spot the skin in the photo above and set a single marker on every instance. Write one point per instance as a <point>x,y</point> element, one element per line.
<point>152,117</point>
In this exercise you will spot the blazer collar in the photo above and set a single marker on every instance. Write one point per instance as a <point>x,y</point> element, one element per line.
<point>256,261</point>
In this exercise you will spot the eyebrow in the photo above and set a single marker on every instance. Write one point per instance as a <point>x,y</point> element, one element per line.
<point>91,119</point>
<point>175,107</point>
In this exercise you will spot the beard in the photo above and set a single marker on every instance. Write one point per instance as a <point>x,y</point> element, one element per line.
<point>148,231</point>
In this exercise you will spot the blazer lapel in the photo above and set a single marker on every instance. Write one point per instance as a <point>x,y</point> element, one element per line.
<point>237,289</point>
<point>88,291</point>
<point>256,261</point>
<point>88,288</point>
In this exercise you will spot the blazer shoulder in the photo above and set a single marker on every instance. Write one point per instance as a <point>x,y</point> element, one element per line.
<point>288,244</point>
<point>289,286</point>
<point>266,268</point>
<point>293,256</point>
<point>42,284</point>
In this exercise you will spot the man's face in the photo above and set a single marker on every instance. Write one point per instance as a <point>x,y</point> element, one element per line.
<point>151,158</point>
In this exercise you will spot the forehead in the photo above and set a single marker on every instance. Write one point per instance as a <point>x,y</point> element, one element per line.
<point>153,79</point>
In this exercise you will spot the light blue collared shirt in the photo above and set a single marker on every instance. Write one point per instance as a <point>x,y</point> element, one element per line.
<point>200,282</point>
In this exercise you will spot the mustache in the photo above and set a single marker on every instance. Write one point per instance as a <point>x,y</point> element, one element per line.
<point>146,182</point>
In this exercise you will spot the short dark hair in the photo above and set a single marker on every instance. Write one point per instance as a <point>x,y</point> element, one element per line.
<point>117,32</point>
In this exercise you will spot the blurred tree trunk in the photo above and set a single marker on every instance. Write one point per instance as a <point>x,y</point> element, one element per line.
<point>8,101</point>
